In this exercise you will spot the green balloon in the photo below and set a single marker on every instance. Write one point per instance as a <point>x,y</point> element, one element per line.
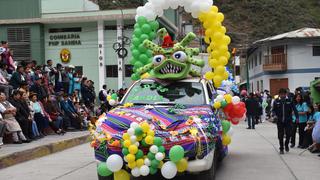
<point>103,169</point>
<point>155,163</point>
<point>114,96</point>
<point>143,143</point>
<point>152,35</point>
<point>138,131</point>
<point>139,154</point>
<point>142,49</point>
<point>149,54</point>
<point>154,25</point>
<point>161,149</point>
<point>135,77</point>
<point>136,42</point>
<point>146,28</point>
<point>125,151</point>
<point>151,156</point>
<point>144,37</point>
<point>225,126</point>
<point>153,170</point>
<point>224,104</point>
<point>135,53</point>
<point>136,26</point>
<point>143,58</point>
<point>137,32</point>
<point>142,20</point>
<point>132,61</point>
<point>138,64</point>
<point>157,141</point>
<point>176,153</point>
<point>134,68</point>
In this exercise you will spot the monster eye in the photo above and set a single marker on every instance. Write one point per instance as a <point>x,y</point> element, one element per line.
<point>158,59</point>
<point>180,56</point>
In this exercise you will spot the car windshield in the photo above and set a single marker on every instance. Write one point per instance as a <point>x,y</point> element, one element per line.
<point>186,93</point>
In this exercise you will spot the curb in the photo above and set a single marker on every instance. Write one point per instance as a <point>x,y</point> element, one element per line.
<point>40,151</point>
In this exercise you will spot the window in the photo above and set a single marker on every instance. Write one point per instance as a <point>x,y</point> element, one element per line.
<point>128,70</point>
<point>258,87</point>
<point>60,30</point>
<point>260,58</point>
<point>255,60</point>
<point>316,50</point>
<point>112,70</point>
<point>261,84</point>
<point>19,42</point>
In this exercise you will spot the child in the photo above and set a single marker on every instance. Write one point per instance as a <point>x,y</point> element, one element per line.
<point>315,124</point>
<point>84,113</point>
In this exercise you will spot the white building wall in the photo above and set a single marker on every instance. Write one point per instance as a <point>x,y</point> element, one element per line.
<point>300,56</point>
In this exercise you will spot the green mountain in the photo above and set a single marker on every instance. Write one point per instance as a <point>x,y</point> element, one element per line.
<point>263,18</point>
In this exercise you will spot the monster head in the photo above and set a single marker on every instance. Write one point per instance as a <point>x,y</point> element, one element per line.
<point>172,61</point>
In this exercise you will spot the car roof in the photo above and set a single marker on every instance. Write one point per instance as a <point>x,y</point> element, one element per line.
<point>191,79</point>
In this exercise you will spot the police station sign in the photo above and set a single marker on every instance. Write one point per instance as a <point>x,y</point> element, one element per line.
<point>65,40</point>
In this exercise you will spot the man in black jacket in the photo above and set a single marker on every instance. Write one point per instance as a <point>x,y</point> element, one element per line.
<point>252,106</point>
<point>283,108</point>
<point>38,88</point>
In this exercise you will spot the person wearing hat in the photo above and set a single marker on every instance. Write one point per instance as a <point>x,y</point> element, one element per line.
<point>17,77</point>
<point>38,88</point>
<point>283,108</point>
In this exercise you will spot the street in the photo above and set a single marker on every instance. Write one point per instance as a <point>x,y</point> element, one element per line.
<point>253,155</point>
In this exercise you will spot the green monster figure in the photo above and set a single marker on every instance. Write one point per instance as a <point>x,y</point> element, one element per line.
<point>172,61</point>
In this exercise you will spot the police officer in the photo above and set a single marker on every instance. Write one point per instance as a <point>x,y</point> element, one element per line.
<point>283,108</point>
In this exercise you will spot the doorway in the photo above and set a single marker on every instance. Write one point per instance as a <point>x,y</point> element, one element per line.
<point>276,84</point>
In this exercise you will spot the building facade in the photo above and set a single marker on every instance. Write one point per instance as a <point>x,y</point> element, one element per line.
<point>288,60</point>
<point>73,32</point>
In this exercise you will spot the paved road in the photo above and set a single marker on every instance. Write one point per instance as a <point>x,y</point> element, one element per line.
<point>253,156</point>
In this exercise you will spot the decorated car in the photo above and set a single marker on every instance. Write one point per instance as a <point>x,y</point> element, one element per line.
<point>172,121</point>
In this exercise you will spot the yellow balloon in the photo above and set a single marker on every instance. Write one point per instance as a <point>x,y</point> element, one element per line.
<point>215,25</point>
<point>202,16</point>
<point>217,105</point>
<point>131,158</point>
<point>214,9</point>
<point>222,29</point>
<point>217,36</point>
<point>206,24</point>
<point>207,39</point>
<point>139,138</point>
<point>125,136</point>
<point>215,54</point>
<point>223,48</point>
<point>220,17</point>
<point>209,32</point>
<point>182,165</point>
<point>226,40</point>
<point>145,76</point>
<point>211,15</point>
<point>145,127</point>
<point>127,143</point>
<point>121,175</point>
<point>226,140</point>
<point>228,98</point>
<point>149,140</point>
<point>150,133</point>
<point>225,75</point>
<point>108,97</point>
<point>217,84</point>
<point>132,164</point>
<point>213,63</point>
<point>140,162</point>
<point>133,149</point>
<point>219,70</point>
<point>223,61</point>
<point>209,49</point>
<point>161,164</point>
<point>209,75</point>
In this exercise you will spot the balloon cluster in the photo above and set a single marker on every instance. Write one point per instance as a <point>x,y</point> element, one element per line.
<point>143,30</point>
<point>218,45</point>
<point>226,137</point>
<point>233,108</point>
<point>154,8</point>
<point>135,141</point>
<point>113,99</point>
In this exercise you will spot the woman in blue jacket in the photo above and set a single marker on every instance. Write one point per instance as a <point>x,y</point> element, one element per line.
<point>301,123</point>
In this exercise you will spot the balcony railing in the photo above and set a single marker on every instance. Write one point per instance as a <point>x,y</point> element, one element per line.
<point>275,62</point>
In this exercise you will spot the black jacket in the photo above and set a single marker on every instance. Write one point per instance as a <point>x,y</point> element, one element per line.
<point>284,109</point>
<point>40,90</point>
<point>22,113</point>
<point>252,106</point>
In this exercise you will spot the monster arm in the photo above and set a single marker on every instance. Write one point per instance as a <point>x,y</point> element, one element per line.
<point>196,62</point>
<point>145,69</point>
<point>187,40</point>
<point>153,47</point>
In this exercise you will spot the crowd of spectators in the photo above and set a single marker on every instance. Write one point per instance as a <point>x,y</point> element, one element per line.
<point>36,100</point>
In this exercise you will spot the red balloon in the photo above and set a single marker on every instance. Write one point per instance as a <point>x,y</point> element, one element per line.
<point>235,121</point>
<point>228,108</point>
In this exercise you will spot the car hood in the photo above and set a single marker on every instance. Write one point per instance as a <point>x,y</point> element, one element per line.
<point>196,128</point>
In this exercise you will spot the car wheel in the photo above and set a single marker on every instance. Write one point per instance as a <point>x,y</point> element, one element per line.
<point>105,177</point>
<point>211,173</point>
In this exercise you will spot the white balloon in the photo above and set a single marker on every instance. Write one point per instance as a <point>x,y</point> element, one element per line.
<point>135,172</point>
<point>114,163</point>
<point>130,131</point>
<point>144,170</point>
<point>140,10</point>
<point>112,102</point>
<point>205,6</point>
<point>154,149</point>
<point>220,92</point>
<point>137,144</point>
<point>134,125</point>
<point>125,159</point>
<point>220,98</point>
<point>147,162</point>
<point>235,99</point>
<point>169,170</point>
<point>133,139</point>
<point>159,156</point>
<point>174,4</point>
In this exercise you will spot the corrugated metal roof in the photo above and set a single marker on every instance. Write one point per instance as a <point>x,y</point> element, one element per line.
<point>300,33</point>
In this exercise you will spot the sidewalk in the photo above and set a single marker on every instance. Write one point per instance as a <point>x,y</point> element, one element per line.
<point>254,154</point>
<point>11,154</point>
